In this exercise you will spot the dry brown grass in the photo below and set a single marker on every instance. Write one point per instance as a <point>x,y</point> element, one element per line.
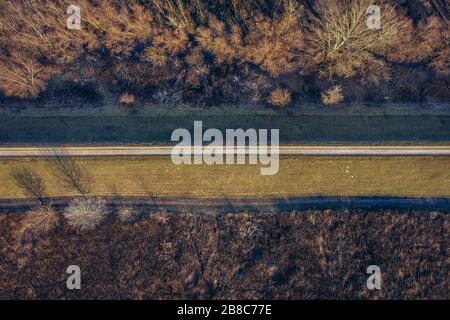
<point>339,176</point>
<point>311,254</point>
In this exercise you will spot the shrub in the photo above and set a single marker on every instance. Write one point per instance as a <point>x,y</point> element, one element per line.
<point>216,39</point>
<point>333,95</point>
<point>85,213</point>
<point>280,97</point>
<point>41,220</point>
<point>127,214</point>
<point>155,56</point>
<point>276,44</point>
<point>127,99</point>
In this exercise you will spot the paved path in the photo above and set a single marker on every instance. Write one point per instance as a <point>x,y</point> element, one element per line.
<point>236,204</point>
<point>284,150</point>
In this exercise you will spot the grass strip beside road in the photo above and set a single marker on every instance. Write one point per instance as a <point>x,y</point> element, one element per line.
<point>298,176</point>
<point>294,129</point>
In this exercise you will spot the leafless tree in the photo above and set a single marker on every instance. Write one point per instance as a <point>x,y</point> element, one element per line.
<point>69,171</point>
<point>23,76</point>
<point>340,39</point>
<point>31,183</point>
<point>343,26</point>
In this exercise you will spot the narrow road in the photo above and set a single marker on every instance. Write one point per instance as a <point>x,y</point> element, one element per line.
<point>273,204</point>
<point>283,150</point>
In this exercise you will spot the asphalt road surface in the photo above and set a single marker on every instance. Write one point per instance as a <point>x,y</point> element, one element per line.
<point>272,204</point>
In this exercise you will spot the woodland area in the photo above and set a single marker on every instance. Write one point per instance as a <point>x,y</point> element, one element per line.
<point>260,255</point>
<point>269,52</point>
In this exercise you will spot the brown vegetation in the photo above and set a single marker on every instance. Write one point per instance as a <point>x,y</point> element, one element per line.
<point>280,97</point>
<point>341,39</point>
<point>127,214</point>
<point>40,220</point>
<point>294,255</point>
<point>212,52</point>
<point>333,95</point>
<point>127,99</point>
<point>85,213</point>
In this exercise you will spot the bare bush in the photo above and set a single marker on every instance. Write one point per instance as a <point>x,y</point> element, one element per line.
<point>280,97</point>
<point>127,214</point>
<point>38,27</point>
<point>333,95</point>
<point>31,183</point>
<point>277,44</point>
<point>156,56</point>
<point>41,220</point>
<point>215,38</point>
<point>85,213</point>
<point>175,13</point>
<point>121,27</point>
<point>127,99</point>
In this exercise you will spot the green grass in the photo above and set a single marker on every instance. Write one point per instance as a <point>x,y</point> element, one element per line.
<point>298,176</point>
<point>150,124</point>
<point>299,129</point>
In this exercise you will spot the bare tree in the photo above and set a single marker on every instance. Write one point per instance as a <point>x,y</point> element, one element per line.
<point>341,40</point>
<point>69,171</point>
<point>342,26</point>
<point>23,76</point>
<point>31,183</point>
